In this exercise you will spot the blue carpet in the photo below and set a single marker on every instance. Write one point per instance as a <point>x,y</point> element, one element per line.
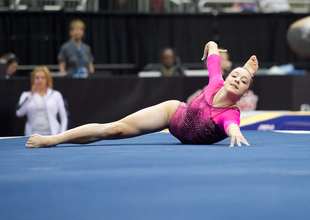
<point>156,177</point>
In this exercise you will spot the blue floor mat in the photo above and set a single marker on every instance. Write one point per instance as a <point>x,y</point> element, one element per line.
<point>156,177</point>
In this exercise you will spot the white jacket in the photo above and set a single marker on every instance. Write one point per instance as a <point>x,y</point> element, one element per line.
<point>54,104</point>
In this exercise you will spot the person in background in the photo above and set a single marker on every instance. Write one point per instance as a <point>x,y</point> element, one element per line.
<point>246,6</point>
<point>75,57</point>
<point>275,5</point>
<point>131,5</point>
<point>157,5</point>
<point>42,105</point>
<point>11,62</point>
<point>226,64</point>
<point>169,64</point>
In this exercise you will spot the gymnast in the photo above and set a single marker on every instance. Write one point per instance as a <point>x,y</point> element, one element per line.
<point>211,117</point>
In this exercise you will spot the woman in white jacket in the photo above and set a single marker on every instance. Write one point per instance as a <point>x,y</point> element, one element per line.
<point>42,105</point>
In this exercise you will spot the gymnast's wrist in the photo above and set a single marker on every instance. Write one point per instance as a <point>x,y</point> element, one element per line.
<point>212,44</point>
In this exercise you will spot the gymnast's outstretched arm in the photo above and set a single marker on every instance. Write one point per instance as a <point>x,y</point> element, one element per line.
<point>148,120</point>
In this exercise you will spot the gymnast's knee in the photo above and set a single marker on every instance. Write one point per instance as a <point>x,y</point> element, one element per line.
<point>116,130</point>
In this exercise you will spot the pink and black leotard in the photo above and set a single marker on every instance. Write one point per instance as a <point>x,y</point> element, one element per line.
<point>199,122</point>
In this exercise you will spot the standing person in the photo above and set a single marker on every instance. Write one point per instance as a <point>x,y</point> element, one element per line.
<point>211,117</point>
<point>75,57</point>
<point>42,104</point>
<point>10,62</point>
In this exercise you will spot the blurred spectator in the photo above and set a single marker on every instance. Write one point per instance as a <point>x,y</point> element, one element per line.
<point>169,64</point>
<point>42,105</point>
<point>5,2</point>
<point>157,5</point>
<point>298,35</point>
<point>246,6</point>
<point>75,57</point>
<point>126,5</point>
<point>226,64</point>
<point>275,5</point>
<point>131,5</point>
<point>9,63</point>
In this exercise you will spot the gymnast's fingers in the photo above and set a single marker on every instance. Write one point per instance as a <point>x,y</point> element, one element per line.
<point>238,142</point>
<point>232,141</point>
<point>222,51</point>
<point>245,141</point>
<point>205,52</point>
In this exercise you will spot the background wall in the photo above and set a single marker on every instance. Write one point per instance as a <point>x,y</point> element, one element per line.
<point>108,99</point>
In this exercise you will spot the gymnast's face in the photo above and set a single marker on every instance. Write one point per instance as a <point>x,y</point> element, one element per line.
<point>238,81</point>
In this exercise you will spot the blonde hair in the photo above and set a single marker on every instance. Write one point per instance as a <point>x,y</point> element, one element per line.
<point>47,72</point>
<point>77,22</point>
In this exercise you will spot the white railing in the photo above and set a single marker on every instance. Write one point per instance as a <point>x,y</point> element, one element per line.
<point>78,5</point>
<point>149,6</point>
<point>195,6</point>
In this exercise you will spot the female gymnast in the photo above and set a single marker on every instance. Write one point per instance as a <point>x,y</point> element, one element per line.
<point>211,117</point>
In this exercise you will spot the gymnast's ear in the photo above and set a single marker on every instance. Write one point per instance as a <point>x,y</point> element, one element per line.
<point>246,93</point>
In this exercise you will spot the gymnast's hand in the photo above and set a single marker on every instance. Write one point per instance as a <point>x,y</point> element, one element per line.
<point>236,135</point>
<point>211,48</point>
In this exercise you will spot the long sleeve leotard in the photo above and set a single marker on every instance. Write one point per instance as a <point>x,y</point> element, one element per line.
<point>200,122</point>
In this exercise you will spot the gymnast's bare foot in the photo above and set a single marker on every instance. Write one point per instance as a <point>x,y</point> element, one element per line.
<point>37,140</point>
<point>252,64</point>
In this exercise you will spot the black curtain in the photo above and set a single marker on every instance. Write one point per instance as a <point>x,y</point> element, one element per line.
<point>36,37</point>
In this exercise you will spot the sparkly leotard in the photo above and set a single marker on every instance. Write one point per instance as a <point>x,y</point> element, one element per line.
<point>199,122</point>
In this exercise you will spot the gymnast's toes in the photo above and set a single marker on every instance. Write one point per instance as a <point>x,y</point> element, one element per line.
<point>31,141</point>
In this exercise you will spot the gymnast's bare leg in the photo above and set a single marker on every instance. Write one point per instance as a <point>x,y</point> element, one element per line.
<point>148,120</point>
